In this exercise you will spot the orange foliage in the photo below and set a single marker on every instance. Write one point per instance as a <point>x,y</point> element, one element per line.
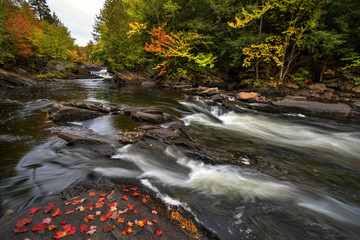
<point>20,32</point>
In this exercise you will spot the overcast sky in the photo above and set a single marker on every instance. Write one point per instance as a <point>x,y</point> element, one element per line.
<point>78,16</point>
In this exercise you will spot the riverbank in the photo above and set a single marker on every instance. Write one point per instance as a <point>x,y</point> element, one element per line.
<point>315,99</point>
<point>105,210</point>
<point>188,149</point>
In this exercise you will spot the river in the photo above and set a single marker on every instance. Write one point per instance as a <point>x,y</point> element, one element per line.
<point>299,176</point>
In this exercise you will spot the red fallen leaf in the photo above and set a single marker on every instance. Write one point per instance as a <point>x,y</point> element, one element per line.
<point>87,218</point>
<point>69,230</point>
<point>106,216</point>
<point>23,222</point>
<point>90,206</point>
<point>63,222</point>
<point>84,228</point>
<point>109,228</point>
<point>125,190</point>
<point>39,227</point>
<point>56,213</point>
<point>147,196</point>
<point>126,231</point>
<point>20,230</point>
<point>121,220</point>
<point>59,234</point>
<point>102,195</point>
<point>49,208</point>
<point>135,212</point>
<point>112,205</point>
<point>136,194</point>
<point>34,210</point>
<point>69,211</point>
<point>67,203</point>
<point>125,198</point>
<point>52,227</point>
<point>158,232</point>
<point>100,199</point>
<point>144,200</point>
<point>133,189</point>
<point>93,194</point>
<point>155,221</point>
<point>130,207</point>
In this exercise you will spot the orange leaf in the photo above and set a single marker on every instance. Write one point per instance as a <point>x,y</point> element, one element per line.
<point>60,234</point>
<point>144,200</point>
<point>131,207</point>
<point>136,194</point>
<point>56,213</point>
<point>99,204</point>
<point>121,220</point>
<point>87,218</point>
<point>52,227</point>
<point>102,195</point>
<point>93,194</point>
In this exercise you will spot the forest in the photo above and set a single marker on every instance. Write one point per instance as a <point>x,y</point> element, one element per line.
<point>270,41</point>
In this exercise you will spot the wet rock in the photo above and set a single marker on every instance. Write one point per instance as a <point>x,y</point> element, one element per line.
<point>356,89</point>
<point>315,106</point>
<point>182,86</point>
<point>77,139</point>
<point>210,91</point>
<point>148,84</point>
<point>190,90</point>
<point>149,115</point>
<point>93,106</point>
<point>248,96</point>
<point>131,137</point>
<point>21,71</point>
<point>61,113</point>
<point>292,85</point>
<point>328,94</point>
<point>295,98</point>
<point>318,87</point>
<point>11,80</point>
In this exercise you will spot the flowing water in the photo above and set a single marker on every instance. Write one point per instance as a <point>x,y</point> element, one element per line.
<point>298,176</point>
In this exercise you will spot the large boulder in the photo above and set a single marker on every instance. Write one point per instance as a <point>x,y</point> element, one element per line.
<point>76,111</point>
<point>149,115</point>
<point>248,96</point>
<point>300,102</point>
<point>11,80</point>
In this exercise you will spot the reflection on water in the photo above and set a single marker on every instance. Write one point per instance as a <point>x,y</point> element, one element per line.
<point>300,177</point>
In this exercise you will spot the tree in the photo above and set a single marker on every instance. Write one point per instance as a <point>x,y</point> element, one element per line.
<point>56,42</point>
<point>41,9</point>
<point>295,17</point>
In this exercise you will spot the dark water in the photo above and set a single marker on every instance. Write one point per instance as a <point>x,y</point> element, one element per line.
<point>299,178</point>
